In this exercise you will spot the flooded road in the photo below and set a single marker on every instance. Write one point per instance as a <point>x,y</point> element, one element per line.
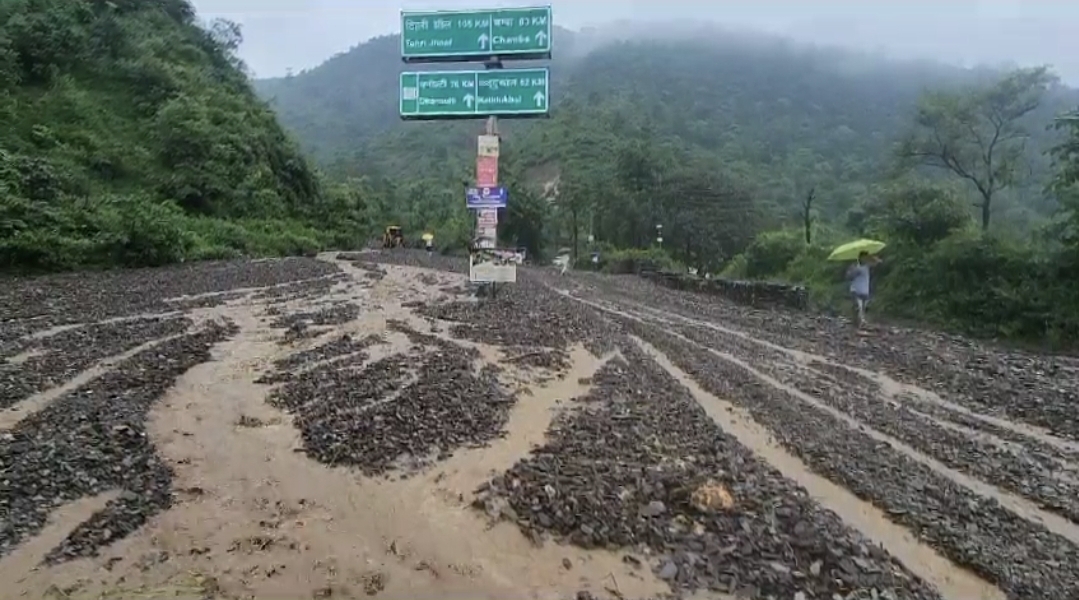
<point>345,428</point>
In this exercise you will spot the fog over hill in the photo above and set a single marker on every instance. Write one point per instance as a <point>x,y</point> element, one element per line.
<point>718,75</point>
<point>299,34</point>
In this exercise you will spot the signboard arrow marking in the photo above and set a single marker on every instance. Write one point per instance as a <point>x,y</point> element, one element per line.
<point>468,100</point>
<point>541,38</point>
<point>482,40</point>
<point>539,97</point>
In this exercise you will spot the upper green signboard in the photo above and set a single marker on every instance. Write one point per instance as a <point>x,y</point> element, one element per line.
<point>449,36</point>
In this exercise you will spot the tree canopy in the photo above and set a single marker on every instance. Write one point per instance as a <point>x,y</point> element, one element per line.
<point>979,135</point>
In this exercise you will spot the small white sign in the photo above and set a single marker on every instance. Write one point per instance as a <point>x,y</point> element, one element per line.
<point>484,267</point>
<point>487,217</point>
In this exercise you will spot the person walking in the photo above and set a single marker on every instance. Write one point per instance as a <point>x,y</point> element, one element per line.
<point>858,274</point>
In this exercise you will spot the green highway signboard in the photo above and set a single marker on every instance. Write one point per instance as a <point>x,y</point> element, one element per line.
<point>449,36</point>
<point>470,94</point>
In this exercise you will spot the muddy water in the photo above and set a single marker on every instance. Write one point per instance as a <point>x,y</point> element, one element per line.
<point>19,566</point>
<point>255,518</point>
<point>36,402</point>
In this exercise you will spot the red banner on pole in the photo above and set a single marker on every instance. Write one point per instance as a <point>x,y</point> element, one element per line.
<point>486,171</point>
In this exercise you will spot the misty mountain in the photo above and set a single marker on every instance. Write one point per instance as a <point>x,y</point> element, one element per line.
<point>778,111</point>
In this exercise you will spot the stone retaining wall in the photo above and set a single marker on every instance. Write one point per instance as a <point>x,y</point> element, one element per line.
<point>760,294</point>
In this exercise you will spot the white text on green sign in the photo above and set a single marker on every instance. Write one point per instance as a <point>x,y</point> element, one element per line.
<point>464,94</point>
<point>449,35</point>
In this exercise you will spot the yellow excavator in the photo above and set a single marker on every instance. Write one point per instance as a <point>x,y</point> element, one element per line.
<point>393,238</point>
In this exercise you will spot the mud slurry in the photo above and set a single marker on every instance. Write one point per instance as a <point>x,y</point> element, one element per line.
<point>357,426</point>
<point>193,468</point>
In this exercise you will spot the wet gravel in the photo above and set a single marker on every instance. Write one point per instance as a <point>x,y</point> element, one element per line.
<point>30,304</point>
<point>1037,389</point>
<point>1024,558</point>
<point>343,346</point>
<point>335,314</point>
<point>1021,556</point>
<point>305,289</point>
<point>1014,469</point>
<point>1042,450</point>
<point>398,413</point>
<point>620,473</point>
<point>552,359</point>
<point>91,441</point>
<point>58,358</point>
<point>208,301</point>
<point>1039,450</point>
<point>412,258</point>
<point>306,324</point>
<point>524,319</point>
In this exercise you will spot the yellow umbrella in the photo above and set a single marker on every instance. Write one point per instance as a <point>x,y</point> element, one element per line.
<point>428,237</point>
<point>851,250</point>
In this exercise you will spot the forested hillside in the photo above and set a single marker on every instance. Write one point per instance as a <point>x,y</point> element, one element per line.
<point>131,136</point>
<point>783,116</point>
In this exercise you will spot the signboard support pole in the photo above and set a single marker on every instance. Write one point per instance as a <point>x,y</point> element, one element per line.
<point>492,129</point>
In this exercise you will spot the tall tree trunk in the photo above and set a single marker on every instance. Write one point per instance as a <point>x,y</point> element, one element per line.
<point>986,210</point>
<point>573,219</point>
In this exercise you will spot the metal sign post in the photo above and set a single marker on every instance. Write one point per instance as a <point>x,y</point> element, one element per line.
<point>489,36</point>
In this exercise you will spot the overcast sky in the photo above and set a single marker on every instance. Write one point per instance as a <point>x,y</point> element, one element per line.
<point>299,34</point>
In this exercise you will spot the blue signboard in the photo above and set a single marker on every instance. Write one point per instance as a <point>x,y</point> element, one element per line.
<point>487,197</point>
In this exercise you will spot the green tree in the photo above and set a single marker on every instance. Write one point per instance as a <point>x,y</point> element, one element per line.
<point>917,211</point>
<point>710,217</point>
<point>1066,154</point>
<point>978,135</point>
<point>525,220</point>
<point>1065,183</point>
<point>575,200</point>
